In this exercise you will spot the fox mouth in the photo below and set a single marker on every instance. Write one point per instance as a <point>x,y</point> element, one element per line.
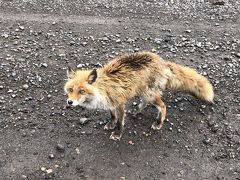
<point>86,101</point>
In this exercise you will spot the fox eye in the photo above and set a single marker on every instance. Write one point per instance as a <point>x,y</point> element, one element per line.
<point>81,91</point>
<point>70,89</point>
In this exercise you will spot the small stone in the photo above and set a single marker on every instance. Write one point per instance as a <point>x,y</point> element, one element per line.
<point>43,169</point>
<point>62,55</point>
<point>105,39</point>
<point>199,44</point>
<point>170,129</point>
<point>84,43</point>
<point>217,2</point>
<point>130,40</point>
<point>158,41</point>
<point>83,120</point>
<point>44,65</point>
<point>5,35</point>
<point>60,148</point>
<point>153,50</point>
<point>206,141</point>
<point>237,55</point>
<point>25,86</point>
<point>77,150</point>
<point>118,40</point>
<point>214,129</point>
<point>51,156</point>
<point>211,123</point>
<point>203,106</point>
<point>130,142</point>
<point>24,134</point>
<point>24,176</point>
<point>48,171</point>
<point>188,31</point>
<point>134,103</point>
<point>80,65</point>
<point>21,27</point>
<point>72,43</point>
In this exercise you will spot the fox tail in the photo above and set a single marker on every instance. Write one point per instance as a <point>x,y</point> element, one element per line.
<point>187,79</point>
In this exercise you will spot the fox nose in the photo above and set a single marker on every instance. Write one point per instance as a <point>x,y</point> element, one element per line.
<point>70,102</point>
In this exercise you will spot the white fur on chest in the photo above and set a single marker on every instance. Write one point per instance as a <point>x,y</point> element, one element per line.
<point>96,102</point>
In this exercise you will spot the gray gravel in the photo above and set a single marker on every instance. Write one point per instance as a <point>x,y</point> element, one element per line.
<point>42,138</point>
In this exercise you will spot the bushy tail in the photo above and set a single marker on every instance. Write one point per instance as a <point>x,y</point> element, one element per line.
<point>187,79</point>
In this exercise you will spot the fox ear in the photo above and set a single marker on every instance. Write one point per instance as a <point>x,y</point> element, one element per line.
<point>70,72</point>
<point>92,76</point>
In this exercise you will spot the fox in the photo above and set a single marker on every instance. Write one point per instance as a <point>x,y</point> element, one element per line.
<point>143,74</point>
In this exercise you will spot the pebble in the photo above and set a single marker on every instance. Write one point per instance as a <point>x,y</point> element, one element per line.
<point>105,39</point>
<point>24,176</point>
<point>21,27</point>
<point>237,55</point>
<point>84,43</point>
<point>43,169</point>
<point>211,123</point>
<point>5,35</point>
<point>51,156</point>
<point>83,120</point>
<point>158,41</point>
<point>118,40</point>
<point>214,129</point>
<point>60,148</point>
<point>44,65</point>
<point>134,103</point>
<point>25,86</point>
<point>48,171</point>
<point>77,150</point>
<point>206,141</point>
<point>130,142</point>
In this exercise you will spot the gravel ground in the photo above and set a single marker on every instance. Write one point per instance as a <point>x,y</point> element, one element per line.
<point>43,139</point>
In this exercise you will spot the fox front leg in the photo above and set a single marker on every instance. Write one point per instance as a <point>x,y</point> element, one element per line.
<point>112,123</point>
<point>117,134</point>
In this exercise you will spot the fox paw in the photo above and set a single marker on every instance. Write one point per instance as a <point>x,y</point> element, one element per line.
<point>110,125</point>
<point>156,126</point>
<point>116,136</point>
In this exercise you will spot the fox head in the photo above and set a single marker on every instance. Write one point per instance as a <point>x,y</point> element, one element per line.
<point>80,86</point>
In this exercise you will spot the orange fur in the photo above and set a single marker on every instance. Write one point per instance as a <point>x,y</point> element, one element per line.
<point>142,74</point>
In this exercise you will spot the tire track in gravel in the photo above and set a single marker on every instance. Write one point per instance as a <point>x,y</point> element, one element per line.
<point>73,19</point>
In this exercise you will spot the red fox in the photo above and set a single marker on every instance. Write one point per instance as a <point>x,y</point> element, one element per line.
<point>142,74</point>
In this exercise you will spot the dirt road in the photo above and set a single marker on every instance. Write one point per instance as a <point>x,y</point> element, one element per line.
<point>40,138</point>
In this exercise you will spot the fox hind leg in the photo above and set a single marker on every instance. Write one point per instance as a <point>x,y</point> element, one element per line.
<point>112,123</point>
<point>159,104</point>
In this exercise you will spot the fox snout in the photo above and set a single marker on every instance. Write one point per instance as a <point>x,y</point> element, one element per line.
<point>69,102</point>
<point>72,102</point>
